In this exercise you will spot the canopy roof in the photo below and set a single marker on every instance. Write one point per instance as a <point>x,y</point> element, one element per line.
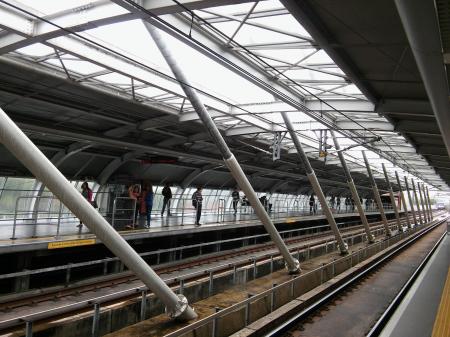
<point>81,74</point>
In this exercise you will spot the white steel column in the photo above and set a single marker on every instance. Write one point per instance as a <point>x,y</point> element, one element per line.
<point>417,201</point>
<point>315,184</point>
<point>422,203</point>
<point>429,202</point>
<point>292,264</point>
<point>391,194</point>
<point>351,185</point>
<point>427,205</point>
<point>411,203</point>
<point>34,160</point>
<point>408,221</point>
<point>377,197</point>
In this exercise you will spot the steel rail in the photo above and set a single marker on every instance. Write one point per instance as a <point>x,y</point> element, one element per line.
<point>257,297</point>
<point>358,277</point>
<point>289,239</point>
<point>46,314</point>
<point>381,322</point>
<point>243,263</point>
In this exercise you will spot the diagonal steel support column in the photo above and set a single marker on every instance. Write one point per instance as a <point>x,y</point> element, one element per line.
<point>411,203</point>
<point>236,171</point>
<point>417,201</point>
<point>422,203</point>
<point>38,164</point>
<point>315,184</point>
<point>377,197</point>
<point>353,190</point>
<point>429,203</point>
<point>408,221</point>
<point>391,194</point>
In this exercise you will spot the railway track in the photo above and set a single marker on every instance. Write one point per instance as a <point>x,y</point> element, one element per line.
<point>361,305</point>
<point>127,279</point>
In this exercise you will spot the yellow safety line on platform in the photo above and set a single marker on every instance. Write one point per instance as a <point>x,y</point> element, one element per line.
<point>442,323</point>
<point>70,243</point>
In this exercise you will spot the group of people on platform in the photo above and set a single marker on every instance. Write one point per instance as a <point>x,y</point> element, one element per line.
<point>335,203</point>
<point>144,201</point>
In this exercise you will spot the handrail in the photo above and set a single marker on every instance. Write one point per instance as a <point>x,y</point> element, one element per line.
<point>245,303</point>
<point>315,229</point>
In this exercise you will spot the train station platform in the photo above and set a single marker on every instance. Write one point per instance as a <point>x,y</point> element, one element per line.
<point>425,311</point>
<point>37,237</point>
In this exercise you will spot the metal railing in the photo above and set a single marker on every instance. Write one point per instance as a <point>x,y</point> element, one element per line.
<point>210,273</point>
<point>289,289</point>
<point>214,210</point>
<point>127,213</point>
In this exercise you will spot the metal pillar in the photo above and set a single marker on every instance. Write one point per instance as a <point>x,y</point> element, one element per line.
<point>315,184</point>
<point>35,161</point>
<point>417,201</point>
<point>292,264</point>
<point>429,202</point>
<point>391,194</point>
<point>376,194</point>
<point>403,199</point>
<point>411,203</point>
<point>422,204</point>
<point>351,185</point>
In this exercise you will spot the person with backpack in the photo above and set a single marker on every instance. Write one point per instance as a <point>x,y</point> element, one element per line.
<point>197,201</point>
<point>167,194</point>
<point>86,192</point>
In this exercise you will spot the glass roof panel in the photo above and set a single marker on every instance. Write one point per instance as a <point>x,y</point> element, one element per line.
<point>37,49</point>
<point>79,66</point>
<point>278,40</point>
<point>52,6</point>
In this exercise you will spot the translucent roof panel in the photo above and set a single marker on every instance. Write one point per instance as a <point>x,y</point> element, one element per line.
<point>263,35</point>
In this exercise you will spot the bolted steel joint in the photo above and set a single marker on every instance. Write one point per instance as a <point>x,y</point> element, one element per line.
<point>181,311</point>
<point>345,250</point>
<point>296,269</point>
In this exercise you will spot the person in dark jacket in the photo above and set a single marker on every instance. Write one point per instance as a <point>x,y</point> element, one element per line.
<point>86,192</point>
<point>148,203</point>
<point>167,194</point>
<point>236,198</point>
<point>197,201</point>
<point>312,204</point>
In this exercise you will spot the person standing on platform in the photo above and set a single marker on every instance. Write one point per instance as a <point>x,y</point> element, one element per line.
<point>332,201</point>
<point>312,208</point>
<point>236,198</point>
<point>86,192</point>
<point>135,195</point>
<point>167,194</point>
<point>197,201</point>
<point>148,203</point>
<point>338,204</point>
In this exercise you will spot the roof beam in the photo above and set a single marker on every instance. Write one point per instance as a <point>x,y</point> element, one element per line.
<point>340,105</point>
<point>27,31</point>
<point>418,127</point>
